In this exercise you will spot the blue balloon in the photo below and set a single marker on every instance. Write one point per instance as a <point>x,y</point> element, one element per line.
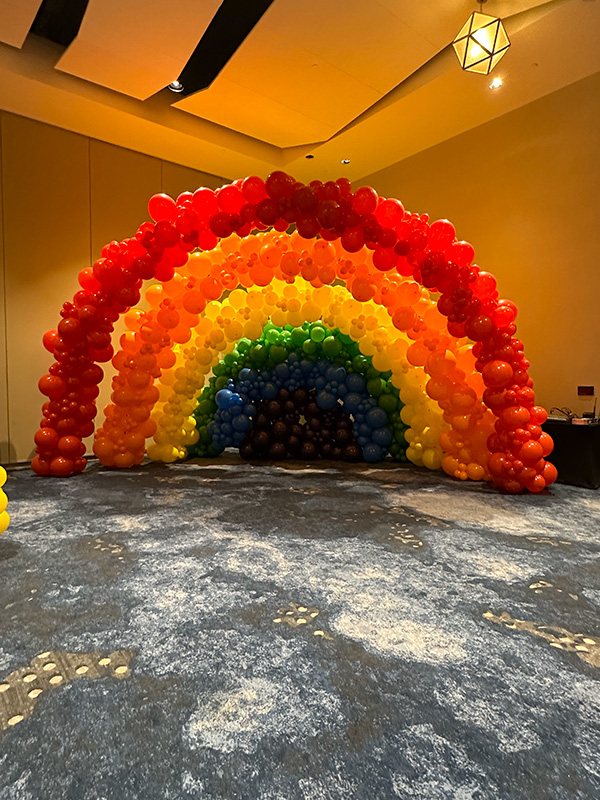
<point>376,417</point>
<point>241,423</point>
<point>355,382</point>
<point>223,398</point>
<point>382,437</point>
<point>282,371</point>
<point>336,373</point>
<point>351,402</point>
<point>270,391</point>
<point>372,453</point>
<point>326,400</point>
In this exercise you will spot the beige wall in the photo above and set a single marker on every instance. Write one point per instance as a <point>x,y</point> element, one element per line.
<point>63,196</point>
<point>524,189</point>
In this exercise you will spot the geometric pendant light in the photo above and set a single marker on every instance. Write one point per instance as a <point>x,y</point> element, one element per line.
<point>481,43</point>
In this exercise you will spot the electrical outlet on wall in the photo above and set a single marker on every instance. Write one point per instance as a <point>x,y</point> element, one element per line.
<point>585,391</point>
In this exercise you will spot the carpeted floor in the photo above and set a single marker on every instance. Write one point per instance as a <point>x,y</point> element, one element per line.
<point>236,631</point>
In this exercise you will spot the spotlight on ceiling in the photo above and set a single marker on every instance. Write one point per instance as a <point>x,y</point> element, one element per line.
<point>345,160</point>
<point>175,86</point>
<point>496,83</point>
<point>481,42</point>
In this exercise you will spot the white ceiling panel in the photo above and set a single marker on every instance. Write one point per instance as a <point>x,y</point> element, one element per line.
<point>137,47</point>
<point>552,52</point>
<point>439,21</point>
<point>16,18</point>
<point>326,61</point>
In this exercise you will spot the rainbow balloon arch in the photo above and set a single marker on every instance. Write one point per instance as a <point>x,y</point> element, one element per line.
<point>365,333</point>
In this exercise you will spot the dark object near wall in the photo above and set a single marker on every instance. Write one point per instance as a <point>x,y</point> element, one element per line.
<point>576,453</point>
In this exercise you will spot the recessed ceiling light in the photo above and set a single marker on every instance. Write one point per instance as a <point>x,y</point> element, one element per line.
<point>496,83</point>
<point>310,155</point>
<point>345,160</point>
<point>175,86</point>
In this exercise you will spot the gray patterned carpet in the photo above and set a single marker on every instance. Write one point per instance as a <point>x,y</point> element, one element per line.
<point>235,631</point>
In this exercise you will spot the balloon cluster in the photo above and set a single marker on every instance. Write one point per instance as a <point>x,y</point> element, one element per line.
<point>293,424</point>
<point>4,518</point>
<point>312,357</point>
<point>423,293</point>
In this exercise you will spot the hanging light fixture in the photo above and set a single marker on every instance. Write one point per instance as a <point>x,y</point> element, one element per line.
<point>481,42</point>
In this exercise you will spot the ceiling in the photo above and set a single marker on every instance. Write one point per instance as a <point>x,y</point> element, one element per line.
<point>266,86</point>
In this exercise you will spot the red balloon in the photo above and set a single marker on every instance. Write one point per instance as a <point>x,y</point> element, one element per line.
<point>61,467</point>
<point>441,235</point>
<point>280,185</point>
<point>539,415</point>
<point>70,447</point>
<point>49,340</point>
<point>40,466</point>
<point>549,473</point>
<point>384,258</point>
<point>267,211</point>
<point>254,190</point>
<point>204,202</point>
<point>87,280</point>
<point>161,206</point>
<point>484,285</point>
<point>306,200</point>
<point>479,328</point>
<point>231,199</point>
<point>538,484</point>
<point>307,227</point>
<point>353,239</point>
<point>497,373</point>
<point>46,439</point>
<point>165,234</point>
<point>531,452</point>
<point>462,253</point>
<point>498,464</point>
<point>547,444</point>
<point>389,213</point>
<point>52,386</point>
<point>504,314</point>
<point>365,200</point>
<point>515,417</point>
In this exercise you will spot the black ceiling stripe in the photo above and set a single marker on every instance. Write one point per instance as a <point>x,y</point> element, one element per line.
<point>229,27</point>
<point>59,20</point>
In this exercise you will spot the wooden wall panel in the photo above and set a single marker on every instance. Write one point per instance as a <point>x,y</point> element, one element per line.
<point>122,182</point>
<point>178,179</point>
<point>46,242</point>
<point>4,431</point>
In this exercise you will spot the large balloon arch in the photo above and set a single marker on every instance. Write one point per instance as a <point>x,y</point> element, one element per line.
<point>369,319</point>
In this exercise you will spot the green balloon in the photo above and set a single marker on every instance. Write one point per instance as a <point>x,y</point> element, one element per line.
<point>332,346</point>
<point>375,387</point>
<point>258,354</point>
<point>277,354</point>
<point>388,402</point>
<point>299,335</point>
<point>360,364</point>
<point>317,333</point>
